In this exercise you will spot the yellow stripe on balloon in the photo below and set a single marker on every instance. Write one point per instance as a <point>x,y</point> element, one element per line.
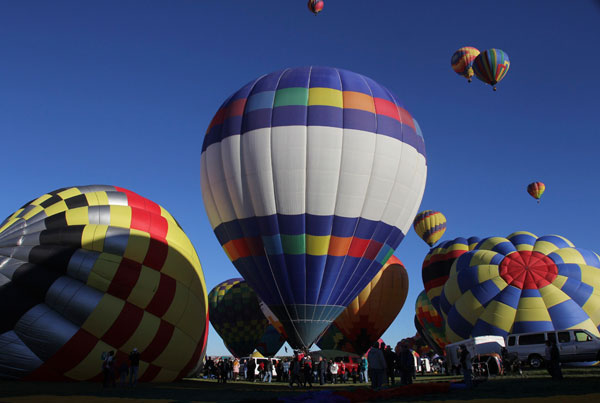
<point>500,315</point>
<point>532,309</point>
<point>469,307</point>
<point>552,296</point>
<point>317,245</point>
<point>325,97</point>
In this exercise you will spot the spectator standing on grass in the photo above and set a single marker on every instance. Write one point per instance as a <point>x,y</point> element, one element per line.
<point>308,375</point>
<point>286,370</point>
<point>333,369</point>
<point>322,370</point>
<point>465,364</point>
<point>236,369</point>
<point>377,366</point>
<point>268,371</point>
<point>390,362</point>
<point>295,371</point>
<point>134,366</point>
<point>365,369</point>
<point>123,372</point>
<point>251,369</point>
<point>407,365</point>
<point>108,369</point>
<point>555,362</point>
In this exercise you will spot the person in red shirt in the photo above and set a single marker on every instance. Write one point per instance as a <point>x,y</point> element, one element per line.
<point>342,372</point>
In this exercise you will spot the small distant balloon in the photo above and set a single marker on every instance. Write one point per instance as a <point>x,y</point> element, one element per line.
<point>491,66</point>
<point>430,226</point>
<point>462,61</point>
<point>316,6</point>
<point>536,190</point>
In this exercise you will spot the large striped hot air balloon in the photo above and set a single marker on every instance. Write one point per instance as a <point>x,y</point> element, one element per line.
<point>491,66</point>
<point>89,269</point>
<point>370,314</point>
<point>521,284</point>
<point>536,190</point>
<point>431,321</point>
<point>430,226</point>
<point>437,264</point>
<point>236,316</point>
<point>310,178</point>
<point>462,61</point>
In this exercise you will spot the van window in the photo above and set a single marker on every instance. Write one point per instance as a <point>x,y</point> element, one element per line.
<point>511,340</point>
<point>552,336</point>
<point>582,336</point>
<point>537,338</point>
<point>564,337</point>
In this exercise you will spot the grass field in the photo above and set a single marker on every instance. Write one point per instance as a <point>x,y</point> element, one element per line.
<point>578,385</point>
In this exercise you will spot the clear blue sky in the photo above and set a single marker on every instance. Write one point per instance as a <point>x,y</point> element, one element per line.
<point>120,92</point>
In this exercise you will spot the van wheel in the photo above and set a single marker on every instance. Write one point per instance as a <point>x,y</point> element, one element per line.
<point>535,361</point>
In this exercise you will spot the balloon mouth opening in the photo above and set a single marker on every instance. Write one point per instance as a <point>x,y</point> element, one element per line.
<point>528,270</point>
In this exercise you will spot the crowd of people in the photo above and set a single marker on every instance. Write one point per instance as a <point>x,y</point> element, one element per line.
<point>380,366</point>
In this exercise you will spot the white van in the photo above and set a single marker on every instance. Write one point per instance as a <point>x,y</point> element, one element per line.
<point>573,344</point>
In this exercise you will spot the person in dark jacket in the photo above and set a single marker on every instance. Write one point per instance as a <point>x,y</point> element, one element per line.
<point>134,366</point>
<point>295,371</point>
<point>390,361</point>
<point>407,365</point>
<point>322,370</point>
<point>308,373</point>
<point>251,369</point>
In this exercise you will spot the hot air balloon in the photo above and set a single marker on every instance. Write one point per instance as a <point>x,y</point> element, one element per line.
<point>235,314</point>
<point>270,342</point>
<point>370,314</point>
<point>310,178</point>
<point>462,61</point>
<point>437,264</point>
<point>89,269</point>
<point>431,321</point>
<point>521,284</point>
<point>491,66</point>
<point>316,6</point>
<point>536,190</point>
<point>430,226</point>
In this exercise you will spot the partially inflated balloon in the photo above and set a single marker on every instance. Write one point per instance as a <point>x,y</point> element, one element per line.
<point>430,226</point>
<point>491,66</point>
<point>536,190</point>
<point>462,61</point>
<point>431,321</point>
<point>427,339</point>
<point>310,178</point>
<point>89,269</point>
<point>437,264</point>
<point>270,342</point>
<point>316,6</point>
<point>235,314</point>
<point>521,284</point>
<point>370,314</point>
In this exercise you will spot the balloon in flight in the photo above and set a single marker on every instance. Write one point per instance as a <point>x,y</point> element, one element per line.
<point>521,284</point>
<point>430,226</point>
<point>316,6</point>
<point>491,66</point>
<point>462,61</point>
<point>536,190</point>
<point>89,269</point>
<point>310,178</point>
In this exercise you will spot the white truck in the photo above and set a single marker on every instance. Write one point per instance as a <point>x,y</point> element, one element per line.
<point>475,345</point>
